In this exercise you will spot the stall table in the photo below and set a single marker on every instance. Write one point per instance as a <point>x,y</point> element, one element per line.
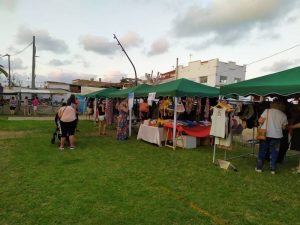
<point>198,131</point>
<point>151,134</point>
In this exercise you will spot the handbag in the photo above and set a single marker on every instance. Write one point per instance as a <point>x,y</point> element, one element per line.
<point>261,132</point>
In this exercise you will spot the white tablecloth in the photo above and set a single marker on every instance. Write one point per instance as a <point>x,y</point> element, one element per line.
<point>151,134</point>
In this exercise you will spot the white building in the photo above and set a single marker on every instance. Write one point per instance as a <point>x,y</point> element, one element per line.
<point>213,72</point>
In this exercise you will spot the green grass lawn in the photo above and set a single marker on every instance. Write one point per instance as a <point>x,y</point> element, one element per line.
<point>105,181</point>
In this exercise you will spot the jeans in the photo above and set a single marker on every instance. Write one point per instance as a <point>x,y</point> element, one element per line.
<point>271,144</point>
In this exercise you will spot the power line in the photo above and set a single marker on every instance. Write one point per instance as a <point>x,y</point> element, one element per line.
<point>259,60</point>
<point>277,53</point>
<point>19,52</point>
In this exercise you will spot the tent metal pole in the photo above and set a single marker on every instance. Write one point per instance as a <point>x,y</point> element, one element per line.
<point>130,121</point>
<point>95,112</point>
<point>175,123</point>
<point>253,144</point>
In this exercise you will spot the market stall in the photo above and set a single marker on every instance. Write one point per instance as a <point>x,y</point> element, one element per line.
<point>281,84</point>
<point>179,88</point>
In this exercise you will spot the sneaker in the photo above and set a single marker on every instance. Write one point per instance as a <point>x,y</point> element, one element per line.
<point>72,147</point>
<point>273,172</point>
<point>61,148</point>
<point>258,170</point>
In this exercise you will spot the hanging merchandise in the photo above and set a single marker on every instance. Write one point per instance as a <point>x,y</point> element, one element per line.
<point>218,125</point>
<point>206,109</point>
<point>198,109</point>
<point>189,105</point>
<point>166,103</point>
<point>180,106</point>
<point>171,108</point>
<point>109,111</point>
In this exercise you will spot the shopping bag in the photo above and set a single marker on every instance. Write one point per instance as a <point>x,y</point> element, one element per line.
<point>261,134</point>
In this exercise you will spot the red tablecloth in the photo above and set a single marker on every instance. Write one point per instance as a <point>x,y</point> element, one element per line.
<point>195,131</point>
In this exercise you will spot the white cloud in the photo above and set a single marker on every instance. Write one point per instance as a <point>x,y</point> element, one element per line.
<point>104,46</point>
<point>79,59</point>
<point>8,4</point>
<point>131,39</point>
<point>113,76</point>
<point>43,40</point>
<point>159,46</point>
<point>17,64</point>
<point>281,65</point>
<point>57,62</point>
<point>68,76</point>
<point>98,44</point>
<point>225,22</point>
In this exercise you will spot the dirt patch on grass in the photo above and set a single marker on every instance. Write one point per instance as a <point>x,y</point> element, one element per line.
<point>13,134</point>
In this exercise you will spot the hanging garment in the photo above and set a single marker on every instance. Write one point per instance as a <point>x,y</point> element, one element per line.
<point>218,122</point>
<point>224,142</point>
<point>180,107</point>
<point>198,109</point>
<point>206,109</point>
<point>189,105</point>
<point>109,111</point>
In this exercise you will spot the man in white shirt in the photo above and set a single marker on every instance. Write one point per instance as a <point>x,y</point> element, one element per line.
<point>274,120</point>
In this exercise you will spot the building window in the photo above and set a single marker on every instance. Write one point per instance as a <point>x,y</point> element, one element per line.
<point>236,79</point>
<point>223,79</point>
<point>203,80</point>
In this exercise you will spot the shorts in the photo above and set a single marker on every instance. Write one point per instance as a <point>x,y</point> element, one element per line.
<point>90,111</point>
<point>101,117</point>
<point>35,108</point>
<point>12,108</point>
<point>67,128</point>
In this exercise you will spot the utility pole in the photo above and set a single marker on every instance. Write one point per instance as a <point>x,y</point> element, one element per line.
<point>176,77</point>
<point>33,64</point>
<point>115,37</point>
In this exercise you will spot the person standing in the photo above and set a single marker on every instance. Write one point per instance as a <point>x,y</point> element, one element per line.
<point>273,120</point>
<point>35,103</point>
<point>90,109</point>
<point>12,105</point>
<point>122,126</point>
<point>294,129</point>
<point>67,117</point>
<point>1,104</point>
<point>26,106</point>
<point>76,105</point>
<point>101,117</point>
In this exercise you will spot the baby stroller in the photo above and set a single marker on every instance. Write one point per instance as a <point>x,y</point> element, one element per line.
<point>57,132</point>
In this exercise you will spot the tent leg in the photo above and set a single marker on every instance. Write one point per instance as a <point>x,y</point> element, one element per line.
<point>130,121</point>
<point>175,123</point>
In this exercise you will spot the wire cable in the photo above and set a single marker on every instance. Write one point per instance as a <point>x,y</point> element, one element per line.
<point>259,60</point>
<point>19,52</point>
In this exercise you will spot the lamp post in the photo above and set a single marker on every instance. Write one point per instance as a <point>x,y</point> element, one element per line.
<point>115,37</point>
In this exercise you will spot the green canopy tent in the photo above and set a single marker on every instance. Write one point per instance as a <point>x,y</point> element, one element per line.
<point>180,88</point>
<point>102,93</point>
<point>124,92</point>
<point>284,83</point>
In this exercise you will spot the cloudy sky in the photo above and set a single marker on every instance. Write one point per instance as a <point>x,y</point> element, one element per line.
<point>74,38</point>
